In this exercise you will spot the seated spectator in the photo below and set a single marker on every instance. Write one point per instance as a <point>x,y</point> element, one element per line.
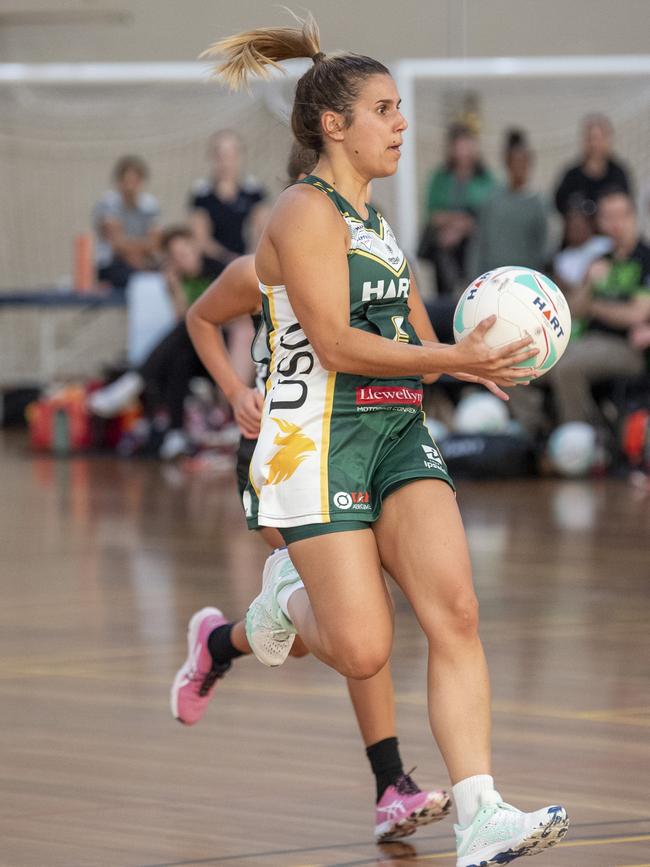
<point>580,247</point>
<point>614,301</point>
<point>165,375</point>
<point>597,170</point>
<point>225,208</point>
<point>512,222</point>
<point>125,221</point>
<point>456,192</point>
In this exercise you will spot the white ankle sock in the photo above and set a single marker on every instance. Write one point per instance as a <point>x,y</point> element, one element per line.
<point>467,796</point>
<point>285,594</point>
<point>288,590</point>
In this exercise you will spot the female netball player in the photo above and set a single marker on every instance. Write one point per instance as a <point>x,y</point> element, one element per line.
<point>401,806</point>
<point>346,472</point>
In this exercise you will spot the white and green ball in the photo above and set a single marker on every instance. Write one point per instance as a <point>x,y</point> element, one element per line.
<point>481,413</point>
<point>525,302</point>
<point>572,448</point>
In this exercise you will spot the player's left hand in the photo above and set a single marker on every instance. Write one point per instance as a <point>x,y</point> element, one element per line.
<point>247,409</point>
<point>489,384</point>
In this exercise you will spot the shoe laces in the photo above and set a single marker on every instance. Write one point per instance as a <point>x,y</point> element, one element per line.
<point>405,785</point>
<point>493,799</point>
<point>216,672</point>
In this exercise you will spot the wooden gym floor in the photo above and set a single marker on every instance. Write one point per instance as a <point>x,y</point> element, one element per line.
<point>102,563</point>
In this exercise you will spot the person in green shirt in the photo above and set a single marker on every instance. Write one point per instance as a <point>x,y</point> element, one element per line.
<point>456,192</point>
<point>512,222</point>
<point>614,304</point>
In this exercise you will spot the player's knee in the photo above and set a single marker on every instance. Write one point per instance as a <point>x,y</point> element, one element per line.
<point>458,619</point>
<point>363,659</point>
<point>463,614</point>
<point>365,666</point>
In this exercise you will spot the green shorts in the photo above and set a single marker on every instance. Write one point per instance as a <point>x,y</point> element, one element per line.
<point>370,464</point>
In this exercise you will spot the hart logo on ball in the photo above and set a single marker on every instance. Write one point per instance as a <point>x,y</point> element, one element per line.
<point>526,303</point>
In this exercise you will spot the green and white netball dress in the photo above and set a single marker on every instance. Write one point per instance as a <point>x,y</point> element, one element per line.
<point>333,445</point>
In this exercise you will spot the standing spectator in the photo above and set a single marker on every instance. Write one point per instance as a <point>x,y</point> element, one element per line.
<point>125,220</point>
<point>165,375</point>
<point>456,192</point>
<point>512,222</point>
<point>224,208</point>
<point>597,170</point>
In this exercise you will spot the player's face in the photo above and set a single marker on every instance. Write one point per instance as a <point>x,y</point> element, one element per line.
<point>373,139</point>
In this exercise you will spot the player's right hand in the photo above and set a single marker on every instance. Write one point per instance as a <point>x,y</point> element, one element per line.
<point>473,356</point>
<point>247,409</point>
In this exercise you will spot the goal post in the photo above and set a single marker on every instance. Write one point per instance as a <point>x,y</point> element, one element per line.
<point>589,78</point>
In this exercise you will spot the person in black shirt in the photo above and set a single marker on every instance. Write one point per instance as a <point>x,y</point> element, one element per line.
<point>225,209</point>
<point>596,172</point>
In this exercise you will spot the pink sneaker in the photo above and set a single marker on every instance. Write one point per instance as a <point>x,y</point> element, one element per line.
<point>196,679</point>
<point>404,807</point>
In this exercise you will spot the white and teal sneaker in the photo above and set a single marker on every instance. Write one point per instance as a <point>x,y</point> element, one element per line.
<point>500,833</point>
<point>271,634</point>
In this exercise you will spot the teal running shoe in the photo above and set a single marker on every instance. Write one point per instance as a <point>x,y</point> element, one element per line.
<point>271,634</point>
<point>500,833</point>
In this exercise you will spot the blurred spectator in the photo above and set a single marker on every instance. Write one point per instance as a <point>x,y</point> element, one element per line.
<point>456,192</point>
<point>187,271</point>
<point>125,221</point>
<point>512,222</point>
<point>165,375</point>
<point>596,172</point>
<point>580,247</point>
<point>614,302</point>
<point>644,210</point>
<point>225,208</point>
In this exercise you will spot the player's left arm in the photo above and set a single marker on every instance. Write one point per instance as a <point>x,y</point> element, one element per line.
<point>233,294</point>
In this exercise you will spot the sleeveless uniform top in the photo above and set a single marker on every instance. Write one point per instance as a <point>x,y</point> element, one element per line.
<point>312,416</point>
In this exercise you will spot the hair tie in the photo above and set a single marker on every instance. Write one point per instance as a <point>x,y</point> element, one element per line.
<point>318,57</point>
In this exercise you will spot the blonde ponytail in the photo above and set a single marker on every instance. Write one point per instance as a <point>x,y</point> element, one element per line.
<point>250,54</point>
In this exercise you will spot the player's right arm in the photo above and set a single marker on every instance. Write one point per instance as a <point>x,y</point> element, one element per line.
<point>310,242</point>
<point>233,294</point>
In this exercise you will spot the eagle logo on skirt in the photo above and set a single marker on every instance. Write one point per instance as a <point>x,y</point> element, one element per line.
<point>294,448</point>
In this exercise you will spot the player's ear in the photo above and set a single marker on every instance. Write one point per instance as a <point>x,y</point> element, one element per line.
<point>333,125</point>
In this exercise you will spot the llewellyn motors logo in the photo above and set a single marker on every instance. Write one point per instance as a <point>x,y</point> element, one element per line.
<point>372,397</point>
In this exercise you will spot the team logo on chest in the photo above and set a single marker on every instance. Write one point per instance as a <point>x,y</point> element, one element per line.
<point>382,246</point>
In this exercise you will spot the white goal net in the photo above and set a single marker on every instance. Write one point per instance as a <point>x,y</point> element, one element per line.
<point>62,129</point>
